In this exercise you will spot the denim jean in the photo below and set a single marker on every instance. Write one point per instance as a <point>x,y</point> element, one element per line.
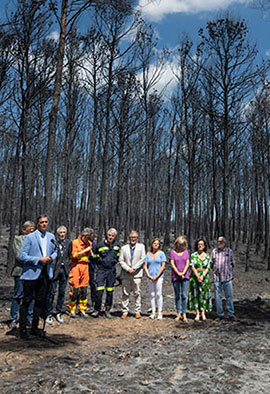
<point>61,281</point>
<point>228,291</point>
<point>180,286</point>
<point>16,301</point>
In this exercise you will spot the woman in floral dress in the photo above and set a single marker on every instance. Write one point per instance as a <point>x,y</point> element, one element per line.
<point>200,298</point>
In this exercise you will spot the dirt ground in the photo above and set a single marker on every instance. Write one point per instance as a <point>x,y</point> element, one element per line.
<point>145,356</point>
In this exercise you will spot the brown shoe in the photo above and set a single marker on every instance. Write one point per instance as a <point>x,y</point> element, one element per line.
<point>124,316</point>
<point>138,315</point>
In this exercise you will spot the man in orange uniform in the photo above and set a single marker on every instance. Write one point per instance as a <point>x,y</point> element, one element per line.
<point>79,273</point>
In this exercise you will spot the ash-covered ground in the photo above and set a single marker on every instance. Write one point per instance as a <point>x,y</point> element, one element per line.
<point>145,356</point>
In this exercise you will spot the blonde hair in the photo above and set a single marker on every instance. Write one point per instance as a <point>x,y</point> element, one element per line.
<point>154,240</point>
<point>181,240</point>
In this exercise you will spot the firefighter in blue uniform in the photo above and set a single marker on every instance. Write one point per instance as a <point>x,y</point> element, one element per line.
<point>107,254</point>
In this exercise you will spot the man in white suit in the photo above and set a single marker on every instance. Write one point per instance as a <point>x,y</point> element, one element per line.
<point>131,260</point>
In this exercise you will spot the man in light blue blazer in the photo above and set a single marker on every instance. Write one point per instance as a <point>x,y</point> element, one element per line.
<point>37,254</point>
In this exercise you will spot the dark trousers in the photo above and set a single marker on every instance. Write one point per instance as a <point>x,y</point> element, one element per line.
<point>37,290</point>
<point>92,281</point>
<point>105,277</point>
<point>61,280</point>
<point>16,301</point>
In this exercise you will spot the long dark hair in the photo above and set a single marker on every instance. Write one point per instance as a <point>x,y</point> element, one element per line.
<point>196,245</point>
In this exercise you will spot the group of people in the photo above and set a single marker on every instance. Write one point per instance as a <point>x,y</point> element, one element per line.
<point>190,278</point>
<point>45,262</point>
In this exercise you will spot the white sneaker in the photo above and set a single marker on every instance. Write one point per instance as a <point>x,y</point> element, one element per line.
<point>152,316</point>
<point>13,325</point>
<point>59,318</point>
<point>159,316</point>
<point>49,320</point>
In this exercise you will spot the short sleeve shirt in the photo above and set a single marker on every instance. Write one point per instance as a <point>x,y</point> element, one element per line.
<point>155,264</point>
<point>180,263</point>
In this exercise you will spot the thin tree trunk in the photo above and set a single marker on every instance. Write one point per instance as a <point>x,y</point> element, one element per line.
<point>54,108</point>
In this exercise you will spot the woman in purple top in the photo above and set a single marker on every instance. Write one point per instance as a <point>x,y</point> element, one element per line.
<point>179,259</point>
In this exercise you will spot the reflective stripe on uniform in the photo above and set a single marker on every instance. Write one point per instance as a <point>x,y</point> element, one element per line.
<point>72,305</point>
<point>116,247</point>
<point>84,258</point>
<point>100,288</point>
<point>110,288</point>
<point>83,305</point>
<point>95,256</point>
<point>103,248</point>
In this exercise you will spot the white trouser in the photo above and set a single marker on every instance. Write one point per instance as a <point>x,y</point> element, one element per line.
<point>131,285</point>
<point>155,289</point>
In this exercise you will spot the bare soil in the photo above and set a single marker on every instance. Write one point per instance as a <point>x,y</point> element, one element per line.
<point>145,356</point>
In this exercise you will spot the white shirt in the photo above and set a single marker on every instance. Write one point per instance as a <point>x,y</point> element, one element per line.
<point>43,243</point>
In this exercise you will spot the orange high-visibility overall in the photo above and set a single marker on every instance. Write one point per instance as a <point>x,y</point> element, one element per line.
<point>79,276</point>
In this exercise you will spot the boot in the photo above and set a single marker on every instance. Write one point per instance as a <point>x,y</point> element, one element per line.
<point>107,312</point>
<point>95,314</point>
<point>24,334</point>
<point>37,332</point>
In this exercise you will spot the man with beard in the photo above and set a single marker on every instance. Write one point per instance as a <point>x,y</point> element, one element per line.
<point>222,263</point>
<point>131,260</point>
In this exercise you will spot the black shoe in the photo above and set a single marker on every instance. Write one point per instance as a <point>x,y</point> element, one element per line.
<point>232,318</point>
<point>24,334</point>
<point>38,332</point>
<point>90,311</point>
<point>95,314</point>
<point>219,318</point>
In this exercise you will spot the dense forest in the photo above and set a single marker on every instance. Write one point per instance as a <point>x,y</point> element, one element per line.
<point>88,137</point>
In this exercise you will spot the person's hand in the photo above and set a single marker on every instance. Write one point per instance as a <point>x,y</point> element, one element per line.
<point>45,260</point>
<point>84,251</point>
<point>131,271</point>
